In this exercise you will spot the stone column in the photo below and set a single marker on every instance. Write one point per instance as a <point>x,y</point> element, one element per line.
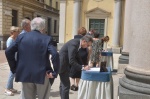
<point>76,17</point>
<point>124,58</point>
<point>62,24</point>
<point>136,82</point>
<point>117,25</point>
<point>1,24</point>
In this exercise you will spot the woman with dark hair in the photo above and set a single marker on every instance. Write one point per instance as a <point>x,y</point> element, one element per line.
<point>97,47</point>
<point>83,53</point>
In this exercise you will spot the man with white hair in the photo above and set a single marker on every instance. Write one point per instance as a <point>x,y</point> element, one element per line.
<point>25,25</point>
<point>33,67</point>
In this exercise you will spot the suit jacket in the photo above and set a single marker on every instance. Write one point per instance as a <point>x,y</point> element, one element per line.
<point>69,56</point>
<point>78,36</point>
<point>33,61</point>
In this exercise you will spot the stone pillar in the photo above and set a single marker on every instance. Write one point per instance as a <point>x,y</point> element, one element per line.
<point>62,24</point>
<point>117,26</point>
<point>1,24</point>
<point>124,58</point>
<point>136,82</point>
<point>76,17</point>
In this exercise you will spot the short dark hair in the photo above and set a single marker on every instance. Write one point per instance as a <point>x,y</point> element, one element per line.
<point>96,35</point>
<point>87,38</point>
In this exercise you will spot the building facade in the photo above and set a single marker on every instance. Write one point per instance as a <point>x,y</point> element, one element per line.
<point>105,16</point>
<point>13,11</point>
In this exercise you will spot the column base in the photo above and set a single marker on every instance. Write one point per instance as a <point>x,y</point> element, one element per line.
<point>135,84</point>
<point>123,62</point>
<point>128,94</point>
<point>59,46</point>
<point>121,68</point>
<point>116,50</point>
<point>124,58</point>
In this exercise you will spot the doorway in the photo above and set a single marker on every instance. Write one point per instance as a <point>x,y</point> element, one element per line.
<point>98,25</point>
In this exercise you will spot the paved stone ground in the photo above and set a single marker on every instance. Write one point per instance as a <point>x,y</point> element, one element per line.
<point>2,56</point>
<point>4,71</point>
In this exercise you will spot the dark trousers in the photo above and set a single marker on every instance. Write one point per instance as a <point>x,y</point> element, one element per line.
<point>64,85</point>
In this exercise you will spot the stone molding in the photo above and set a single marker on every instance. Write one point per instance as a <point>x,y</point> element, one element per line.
<point>137,76</point>
<point>129,94</point>
<point>125,53</point>
<point>135,85</point>
<point>137,70</point>
<point>38,5</point>
<point>136,80</point>
<point>97,12</point>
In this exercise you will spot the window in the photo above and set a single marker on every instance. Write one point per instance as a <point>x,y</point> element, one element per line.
<point>49,26</point>
<point>98,25</point>
<point>14,18</point>
<point>55,26</point>
<point>56,5</point>
<point>50,3</point>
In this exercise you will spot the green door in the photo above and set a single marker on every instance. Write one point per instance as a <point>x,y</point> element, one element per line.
<point>98,25</point>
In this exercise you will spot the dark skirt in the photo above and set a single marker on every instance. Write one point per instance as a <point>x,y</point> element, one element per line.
<point>75,74</point>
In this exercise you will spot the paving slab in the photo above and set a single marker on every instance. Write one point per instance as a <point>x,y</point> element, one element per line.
<point>4,72</point>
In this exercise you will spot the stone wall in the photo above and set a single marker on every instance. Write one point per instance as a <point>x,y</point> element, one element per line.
<point>25,8</point>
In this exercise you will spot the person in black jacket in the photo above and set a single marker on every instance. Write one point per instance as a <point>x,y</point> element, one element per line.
<point>83,53</point>
<point>69,56</point>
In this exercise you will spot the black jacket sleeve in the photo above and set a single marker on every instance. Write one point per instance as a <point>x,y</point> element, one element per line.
<point>72,54</point>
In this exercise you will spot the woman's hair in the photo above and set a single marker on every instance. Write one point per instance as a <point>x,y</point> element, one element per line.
<point>96,35</point>
<point>14,29</point>
<point>105,38</point>
<point>82,31</point>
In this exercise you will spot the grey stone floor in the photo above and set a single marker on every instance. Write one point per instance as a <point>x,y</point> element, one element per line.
<point>4,71</point>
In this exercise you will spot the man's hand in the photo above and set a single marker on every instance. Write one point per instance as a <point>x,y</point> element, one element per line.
<point>49,75</point>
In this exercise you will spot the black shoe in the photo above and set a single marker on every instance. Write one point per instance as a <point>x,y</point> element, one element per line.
<point>74,88</point>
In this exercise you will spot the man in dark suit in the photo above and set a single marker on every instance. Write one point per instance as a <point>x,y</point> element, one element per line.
<point>69,57</point>
<point>33,67</point>
<point>25,25</point>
